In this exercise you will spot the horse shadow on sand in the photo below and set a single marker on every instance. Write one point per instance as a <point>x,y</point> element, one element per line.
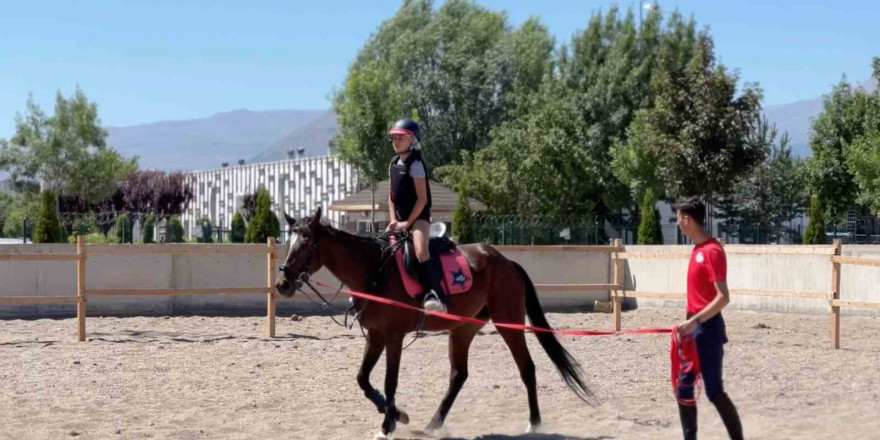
<point>149,337</point>
<point>419,435</point>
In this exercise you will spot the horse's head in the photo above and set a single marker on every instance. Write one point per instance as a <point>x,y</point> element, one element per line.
<point>302,253</point>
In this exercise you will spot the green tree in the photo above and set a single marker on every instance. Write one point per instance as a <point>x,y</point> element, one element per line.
<point>67,151</point>
<point>149,229</point>
<point>123,229</point>
<point>22,209</point>
<point>82,226</point>
<point>265,223</point>
<point>99,176</point>
<point>457,69</point>
<point>634,162</point>
<point>701,130</point>
<point>174,232</point>
<point>47,228</point>
<point>846,117</point>
<point>6,200</point>
<point>764,202</point>
<point>463,228</point>
<point>863,153</point>
<point>535,164</point>
<point>551,156</point>
<point>863,158</point>
<point>650,231</point>
<point>207,230</point>
<point>236,235</point>
<point>788,183</point>
<point>365,109</point>
<point>815,233</point>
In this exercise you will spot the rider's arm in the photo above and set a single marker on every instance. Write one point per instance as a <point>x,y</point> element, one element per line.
<point>421,199</point>
<point>391,216</point>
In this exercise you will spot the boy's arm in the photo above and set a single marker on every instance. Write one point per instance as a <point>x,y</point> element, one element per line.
<point>714,307</point>
<point>716,263</point>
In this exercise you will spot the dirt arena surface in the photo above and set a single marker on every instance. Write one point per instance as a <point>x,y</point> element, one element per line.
<point>220,378</point>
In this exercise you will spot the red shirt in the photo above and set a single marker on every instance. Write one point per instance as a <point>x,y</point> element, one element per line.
<point>708,264</point>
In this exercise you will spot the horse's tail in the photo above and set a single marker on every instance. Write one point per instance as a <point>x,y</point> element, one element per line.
<point>566,365</point>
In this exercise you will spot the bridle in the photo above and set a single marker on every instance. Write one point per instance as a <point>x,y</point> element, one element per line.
<point>303,278</point>
<point>302,275</point>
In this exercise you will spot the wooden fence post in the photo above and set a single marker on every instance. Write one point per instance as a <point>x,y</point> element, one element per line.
<point>835,294</point>
<point>81,289</point>
<point>270,285</point>
<point>617,279</point>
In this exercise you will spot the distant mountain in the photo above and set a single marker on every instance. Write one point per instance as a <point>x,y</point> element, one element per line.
<point>796,118</point>
<point>314,136</point>
<point>205,143</point>
<point>261,136</point>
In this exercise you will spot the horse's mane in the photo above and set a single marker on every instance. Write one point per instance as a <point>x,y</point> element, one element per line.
<point>347,237</point>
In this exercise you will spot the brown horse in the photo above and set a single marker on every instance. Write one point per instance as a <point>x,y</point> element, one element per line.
<point>501,291</point>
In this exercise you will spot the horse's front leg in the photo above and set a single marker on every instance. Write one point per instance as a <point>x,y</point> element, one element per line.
<point>394,349</point>
<point>372,352</point>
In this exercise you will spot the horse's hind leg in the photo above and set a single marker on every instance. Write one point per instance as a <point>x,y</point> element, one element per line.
<point>372,352</point>
<point>507,304</point>
<point>459,342</point>
<point>516,342</point>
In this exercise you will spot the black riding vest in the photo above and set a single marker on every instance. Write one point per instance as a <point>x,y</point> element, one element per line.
<point>403,188</point>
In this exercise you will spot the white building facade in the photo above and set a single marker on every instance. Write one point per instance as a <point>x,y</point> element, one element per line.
<point>297,187</point>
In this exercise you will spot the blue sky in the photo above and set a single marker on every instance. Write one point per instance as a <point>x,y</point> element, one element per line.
<point>145,61</point>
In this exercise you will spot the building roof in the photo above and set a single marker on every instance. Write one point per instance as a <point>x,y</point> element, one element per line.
<point>442,200</point>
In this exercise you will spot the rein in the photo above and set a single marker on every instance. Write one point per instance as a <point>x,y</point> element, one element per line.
<point>303,280</point>
<point>325,304</point>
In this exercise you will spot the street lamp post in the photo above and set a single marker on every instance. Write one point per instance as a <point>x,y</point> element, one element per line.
<point>649,7</point>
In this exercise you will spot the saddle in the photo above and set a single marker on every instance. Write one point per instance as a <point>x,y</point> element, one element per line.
<point>457,277</point>
<point>436,245</point>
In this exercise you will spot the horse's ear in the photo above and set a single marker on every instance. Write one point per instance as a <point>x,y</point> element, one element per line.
<point>290,220</point>
<point>316,219</point>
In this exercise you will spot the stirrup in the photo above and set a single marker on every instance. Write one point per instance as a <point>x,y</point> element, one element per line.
<point>433,303</point>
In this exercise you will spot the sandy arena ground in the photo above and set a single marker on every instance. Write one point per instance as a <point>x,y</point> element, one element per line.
<point>220,378</point>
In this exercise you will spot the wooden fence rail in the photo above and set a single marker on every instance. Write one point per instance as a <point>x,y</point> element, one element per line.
<point>83,292</point>
<point>832,295</point>
<point>616,284</point>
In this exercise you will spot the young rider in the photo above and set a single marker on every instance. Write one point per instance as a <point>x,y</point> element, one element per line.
<point>409,205</point>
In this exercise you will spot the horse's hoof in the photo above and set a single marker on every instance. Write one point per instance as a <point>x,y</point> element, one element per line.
<point>388,426</point>
<point>436,430</point>
<point>532,428</point>
<point>402,417</point>
<point>433,427</point>
<point>383,436</point>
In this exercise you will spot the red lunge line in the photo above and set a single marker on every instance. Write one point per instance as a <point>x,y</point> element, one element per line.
<point>451,317</point>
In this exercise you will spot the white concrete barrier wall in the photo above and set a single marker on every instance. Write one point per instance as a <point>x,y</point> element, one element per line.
<point>773,272</point>
<point>162,271</point>
<point>50,278</point>
<point>564,267</point>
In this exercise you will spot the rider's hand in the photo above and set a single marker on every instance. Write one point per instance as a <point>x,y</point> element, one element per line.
<point>392,225</point>
<point>401,226</point>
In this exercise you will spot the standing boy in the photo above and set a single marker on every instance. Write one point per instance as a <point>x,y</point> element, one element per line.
<point>707,294</point>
